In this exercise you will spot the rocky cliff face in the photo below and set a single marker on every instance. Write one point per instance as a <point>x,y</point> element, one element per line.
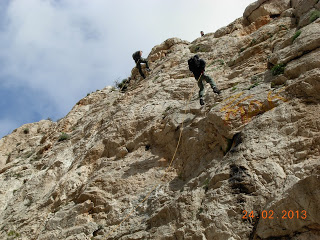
<point>247,164</point>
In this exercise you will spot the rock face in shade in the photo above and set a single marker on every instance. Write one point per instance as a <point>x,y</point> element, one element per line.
<point>247,165</point>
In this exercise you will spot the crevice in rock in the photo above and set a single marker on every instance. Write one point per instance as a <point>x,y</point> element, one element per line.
<point>275,15</point>
<point>99,230</point>
<point>303,53</point>
<point>233,143</point>
<point>240,180</point>
<point>254,229</point>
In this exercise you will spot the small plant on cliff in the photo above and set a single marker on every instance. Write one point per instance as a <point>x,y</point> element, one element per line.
<point>199,48</point>
<point>270,35</point>
<point>13,234</point>
<point>278,69</point>
<point>234,87</point>
<point>253,85</point>
<point>205,185</point>
<point>297,34</point>
<point>26,130</point>
<point>314,15</point>
<point>200,210</point>
<point>253,42</point>
<point>242,49</point>
<point>221,62</point>
<point>121,84</point>
<point>155,79</point>
<point>63,137</point>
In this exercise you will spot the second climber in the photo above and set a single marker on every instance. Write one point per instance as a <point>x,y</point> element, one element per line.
<point>137,57</point>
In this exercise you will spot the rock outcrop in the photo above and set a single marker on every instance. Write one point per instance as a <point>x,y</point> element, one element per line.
<point>151,163</point>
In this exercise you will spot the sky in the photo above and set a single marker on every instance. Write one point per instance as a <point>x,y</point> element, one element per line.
<point>54,52</point>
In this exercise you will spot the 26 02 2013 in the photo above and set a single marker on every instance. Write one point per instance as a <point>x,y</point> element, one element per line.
<point>270,214</point>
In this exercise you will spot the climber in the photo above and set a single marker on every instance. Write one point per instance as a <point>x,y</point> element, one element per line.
<point>137,57</point>
<point>202,33</point>
<point>197,67</point>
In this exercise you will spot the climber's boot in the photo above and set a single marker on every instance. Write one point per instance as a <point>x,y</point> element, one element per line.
<point>216,90</point>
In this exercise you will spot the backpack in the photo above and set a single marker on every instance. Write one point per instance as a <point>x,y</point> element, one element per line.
<point>136,56</point>
<point>194,63</point>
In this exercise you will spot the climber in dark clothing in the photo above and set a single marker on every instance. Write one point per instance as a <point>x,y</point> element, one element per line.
<point>137,57</point>
<point>197,67</point>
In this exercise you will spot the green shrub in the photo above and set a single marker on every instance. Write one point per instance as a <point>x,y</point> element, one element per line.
<point>278,69</point>
<point>200,210</point>
<point>255,78</point>
<point>297,34</point>
<point>17,175</point>
<point>253,85</point>
<point>155,79</point>
<point>205,185</point>
<point>200,48</point>
<point>242,49</point>
<point>26,130</point>
<point>63,137</point>
<point>221,62</point>
<point>121,84</point>
<point>314,15</point>
<point>253,42</point>
<point>13,234</point>
<point>270,35</point>
<point>234,87</point>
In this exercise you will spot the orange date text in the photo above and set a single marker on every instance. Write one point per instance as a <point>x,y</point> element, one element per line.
<point>270,214</point>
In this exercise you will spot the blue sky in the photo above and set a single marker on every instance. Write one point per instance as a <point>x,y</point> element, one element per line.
<point>54,52</point>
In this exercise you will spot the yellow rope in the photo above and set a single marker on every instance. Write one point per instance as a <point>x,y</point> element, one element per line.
<point>175,152</point>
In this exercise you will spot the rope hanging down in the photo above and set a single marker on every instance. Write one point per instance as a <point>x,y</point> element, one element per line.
<point>173,157</point>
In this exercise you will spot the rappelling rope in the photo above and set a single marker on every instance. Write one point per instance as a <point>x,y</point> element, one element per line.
<point>175,152</point>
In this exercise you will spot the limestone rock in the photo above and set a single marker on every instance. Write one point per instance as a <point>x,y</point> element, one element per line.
<point>303,64</point>
<point>151,163</point>
<point>307,41</point>
<point>265,7</point>
<point>289,211</point>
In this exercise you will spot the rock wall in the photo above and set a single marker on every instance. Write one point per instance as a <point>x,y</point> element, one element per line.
<point>247,164</point>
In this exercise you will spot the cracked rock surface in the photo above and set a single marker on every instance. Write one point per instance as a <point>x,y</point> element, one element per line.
<point>247,165</point>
